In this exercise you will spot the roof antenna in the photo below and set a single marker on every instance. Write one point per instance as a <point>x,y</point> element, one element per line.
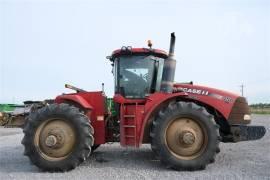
<point>149,44</point>
<point>102,86</point>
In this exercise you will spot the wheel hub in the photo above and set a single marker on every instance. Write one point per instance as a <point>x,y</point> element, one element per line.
<point>185,138</point>
<point>188,138</point>
<point>55,139</point>
<point>51,141</point>
<point>59,135</point>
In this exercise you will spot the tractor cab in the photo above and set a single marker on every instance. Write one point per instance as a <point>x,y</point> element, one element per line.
<point>137,72</point>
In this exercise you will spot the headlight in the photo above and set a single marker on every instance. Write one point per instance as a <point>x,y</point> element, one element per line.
<point>129,48</point>
<point>124,48</point>
<point>247,117</point>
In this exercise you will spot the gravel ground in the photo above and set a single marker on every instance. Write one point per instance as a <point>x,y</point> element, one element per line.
<point>245,160</point>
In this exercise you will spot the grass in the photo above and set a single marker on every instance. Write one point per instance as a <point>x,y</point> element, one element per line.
<point>259,110</point>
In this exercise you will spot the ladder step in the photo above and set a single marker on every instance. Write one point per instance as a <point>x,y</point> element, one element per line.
<point>129,116</point>
<point>129,126</point>
<point>130,136</point>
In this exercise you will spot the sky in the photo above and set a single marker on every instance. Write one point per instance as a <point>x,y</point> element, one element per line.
<point>47,43</point>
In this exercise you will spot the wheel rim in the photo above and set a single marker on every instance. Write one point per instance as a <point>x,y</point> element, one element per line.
<point>186,138</point>
<point>55,139</point>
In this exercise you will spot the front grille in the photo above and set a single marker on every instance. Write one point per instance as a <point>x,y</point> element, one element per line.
<point>239,109</point>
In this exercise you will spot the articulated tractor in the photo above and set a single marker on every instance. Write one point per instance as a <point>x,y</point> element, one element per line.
<point>184,123</point>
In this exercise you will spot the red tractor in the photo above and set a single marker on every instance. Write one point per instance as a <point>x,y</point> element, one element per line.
<point>184,123</point>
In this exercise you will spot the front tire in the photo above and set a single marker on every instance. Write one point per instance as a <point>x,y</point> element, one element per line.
<point>57,137</point>
<point>184,136</point>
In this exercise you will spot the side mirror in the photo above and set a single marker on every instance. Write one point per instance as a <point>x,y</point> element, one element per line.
<point>109,57</point>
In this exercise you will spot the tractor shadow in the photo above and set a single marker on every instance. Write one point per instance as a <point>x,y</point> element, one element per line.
<point>12,159</point>
<point>128,158</point>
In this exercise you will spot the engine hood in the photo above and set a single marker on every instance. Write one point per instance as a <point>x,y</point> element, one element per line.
<point>232,106</point>
<point>206,91</point>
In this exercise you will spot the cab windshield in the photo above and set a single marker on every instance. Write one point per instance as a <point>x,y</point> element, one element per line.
<point>135,76</point>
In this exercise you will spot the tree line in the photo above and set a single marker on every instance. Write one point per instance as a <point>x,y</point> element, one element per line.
<point>260,105</point>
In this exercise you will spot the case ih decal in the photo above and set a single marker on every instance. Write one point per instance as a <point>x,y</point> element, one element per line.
<point>204,93</point>
<point>193,91</point>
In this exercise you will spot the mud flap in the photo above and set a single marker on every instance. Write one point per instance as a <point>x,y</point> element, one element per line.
<point>247,133</point>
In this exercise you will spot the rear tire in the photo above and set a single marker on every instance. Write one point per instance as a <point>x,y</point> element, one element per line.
<point>57,137</point>
<point>184,136</point>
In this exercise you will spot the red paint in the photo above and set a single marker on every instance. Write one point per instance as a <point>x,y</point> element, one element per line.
<point>74,98</point>
<point>130,122</point>
<point>156,52</point>
<point>142,109</point>
<point>132,128</point>
<point>131,112</point>
<point>153,102</point>
<point>219,104</point>
<point>121,100</point>
<point>95,103</point>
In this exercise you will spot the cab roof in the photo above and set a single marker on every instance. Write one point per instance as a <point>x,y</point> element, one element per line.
<point>139,51</point>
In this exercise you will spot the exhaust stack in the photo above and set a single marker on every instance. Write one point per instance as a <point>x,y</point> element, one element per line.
<point>169,69</point>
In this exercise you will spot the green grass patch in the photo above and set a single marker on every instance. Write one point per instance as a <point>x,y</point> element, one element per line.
<point>260,110</point>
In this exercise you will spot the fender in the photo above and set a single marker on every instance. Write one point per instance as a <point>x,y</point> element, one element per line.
<point>75,98</point>
<point>220,100</point>
<point>153,104</point>
<point>94,103</point>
